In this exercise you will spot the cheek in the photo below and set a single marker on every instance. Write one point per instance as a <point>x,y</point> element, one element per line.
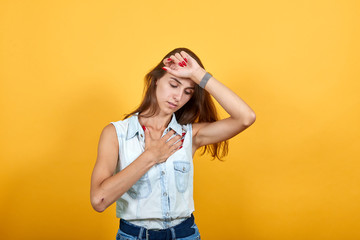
<point>160,90</point>
<point>186,99</point>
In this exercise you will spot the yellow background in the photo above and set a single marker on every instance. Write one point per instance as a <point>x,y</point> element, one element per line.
<point>68,68</point>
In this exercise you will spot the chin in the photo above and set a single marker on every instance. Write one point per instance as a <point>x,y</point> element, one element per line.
<point>168,111</point>
<point>165,109</point>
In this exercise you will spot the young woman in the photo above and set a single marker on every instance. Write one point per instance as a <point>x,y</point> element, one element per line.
<point>144,162</point>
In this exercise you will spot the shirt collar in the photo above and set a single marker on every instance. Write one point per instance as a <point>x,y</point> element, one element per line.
<point>134,126</point>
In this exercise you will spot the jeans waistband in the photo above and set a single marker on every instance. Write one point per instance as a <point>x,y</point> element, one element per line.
<point>182,230</point>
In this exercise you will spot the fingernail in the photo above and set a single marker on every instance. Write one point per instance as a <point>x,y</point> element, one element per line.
<point>182,140</point>
<point>185,59</point>
<point>183,134</point>
<point>180,65</point>
<point>180,147</point>
<point>169,59</point>
<point>144,128</point>
<point>164,68</point>
<point>183,63</point>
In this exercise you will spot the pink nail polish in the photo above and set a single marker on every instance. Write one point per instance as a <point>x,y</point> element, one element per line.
<point>169,59</point>
<point>143,127</point>
<point>183,63</point>
<point>185,59</point>
<point>180,147</point>
<point>180,65</point>
<point>164,68</point>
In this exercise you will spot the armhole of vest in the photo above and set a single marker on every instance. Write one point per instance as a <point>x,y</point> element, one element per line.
<point>118,132</point>
<point>189,127</point>
<point>117,129</point>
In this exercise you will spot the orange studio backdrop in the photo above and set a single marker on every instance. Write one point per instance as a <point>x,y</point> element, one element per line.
<point>68,68</point>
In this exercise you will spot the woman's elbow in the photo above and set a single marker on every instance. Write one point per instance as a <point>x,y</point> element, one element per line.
<point>99,209</point>
<point>98,204</point>
<point>252,118</point>
<point>249,120</point>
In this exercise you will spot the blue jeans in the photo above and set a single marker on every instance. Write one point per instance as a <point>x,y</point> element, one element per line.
<point>123,236</point>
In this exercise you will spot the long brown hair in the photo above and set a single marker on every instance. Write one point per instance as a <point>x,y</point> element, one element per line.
<point>200,107</point>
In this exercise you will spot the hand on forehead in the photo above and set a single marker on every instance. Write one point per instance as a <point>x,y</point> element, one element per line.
<point>180,59</point>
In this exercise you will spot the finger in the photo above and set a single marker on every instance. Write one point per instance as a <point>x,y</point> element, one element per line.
<point>180,59</point>
<point>177,59</point>
<point>173,140</point>
<point>176,147</point>
<point>173,59</point>
<point>185,56</point>
<point>167,61</point>
<point>171,63</point>
<point>169,70</point>
<point>168,135</point>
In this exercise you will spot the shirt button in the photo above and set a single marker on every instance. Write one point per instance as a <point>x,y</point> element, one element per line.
<point>184,169</point>
<point>141,135</point>
<point>165,194</point>
<point>167,214</point>
<point>162,173</point>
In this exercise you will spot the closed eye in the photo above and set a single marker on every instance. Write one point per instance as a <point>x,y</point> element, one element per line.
<point>186,92</point>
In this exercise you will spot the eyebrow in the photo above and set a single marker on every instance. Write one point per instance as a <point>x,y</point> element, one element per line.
<point>180,82</point>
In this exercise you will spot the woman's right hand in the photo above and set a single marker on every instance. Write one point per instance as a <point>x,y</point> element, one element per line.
<point>161,149</point>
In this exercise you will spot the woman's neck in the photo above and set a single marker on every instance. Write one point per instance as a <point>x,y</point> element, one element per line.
<point>158,122</point>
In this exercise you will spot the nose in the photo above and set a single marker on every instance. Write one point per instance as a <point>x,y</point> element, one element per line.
<point>178,95</point>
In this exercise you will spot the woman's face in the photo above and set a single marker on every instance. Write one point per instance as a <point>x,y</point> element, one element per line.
<point>173,92</point>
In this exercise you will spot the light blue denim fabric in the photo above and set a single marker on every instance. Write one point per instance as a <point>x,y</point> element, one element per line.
<point>123,236</point>
<point>163,197</point>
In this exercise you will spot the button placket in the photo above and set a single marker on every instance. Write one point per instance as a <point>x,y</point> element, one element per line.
<point>164,193</point>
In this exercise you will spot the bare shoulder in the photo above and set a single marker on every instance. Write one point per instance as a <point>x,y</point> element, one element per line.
<point>108,134</point>
<point>107,149</point>
<point>109,130</point>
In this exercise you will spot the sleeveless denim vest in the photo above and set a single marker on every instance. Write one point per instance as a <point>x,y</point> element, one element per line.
<point>165,193</point>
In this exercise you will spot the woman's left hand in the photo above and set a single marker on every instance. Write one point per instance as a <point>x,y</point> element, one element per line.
<point>182,65</point>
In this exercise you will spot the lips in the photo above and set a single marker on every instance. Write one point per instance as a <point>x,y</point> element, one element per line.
<point>172,105</point>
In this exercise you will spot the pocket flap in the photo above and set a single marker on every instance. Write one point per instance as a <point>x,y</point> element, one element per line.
<point>182,166</point>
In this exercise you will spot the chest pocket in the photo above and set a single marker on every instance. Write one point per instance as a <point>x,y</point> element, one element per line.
<point>141,189</point>
<point>181,169</point>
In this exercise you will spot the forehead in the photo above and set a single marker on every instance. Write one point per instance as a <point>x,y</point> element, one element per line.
<point>186,82</point>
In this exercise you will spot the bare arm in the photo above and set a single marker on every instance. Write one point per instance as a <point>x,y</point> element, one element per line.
<point>241,115</point>
<point>106,187</point>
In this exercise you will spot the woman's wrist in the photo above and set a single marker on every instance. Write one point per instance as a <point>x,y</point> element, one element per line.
<point>149,157</point>
<point>198,75</point>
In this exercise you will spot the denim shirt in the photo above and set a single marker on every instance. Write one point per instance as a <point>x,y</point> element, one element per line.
<point>162,197</point>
